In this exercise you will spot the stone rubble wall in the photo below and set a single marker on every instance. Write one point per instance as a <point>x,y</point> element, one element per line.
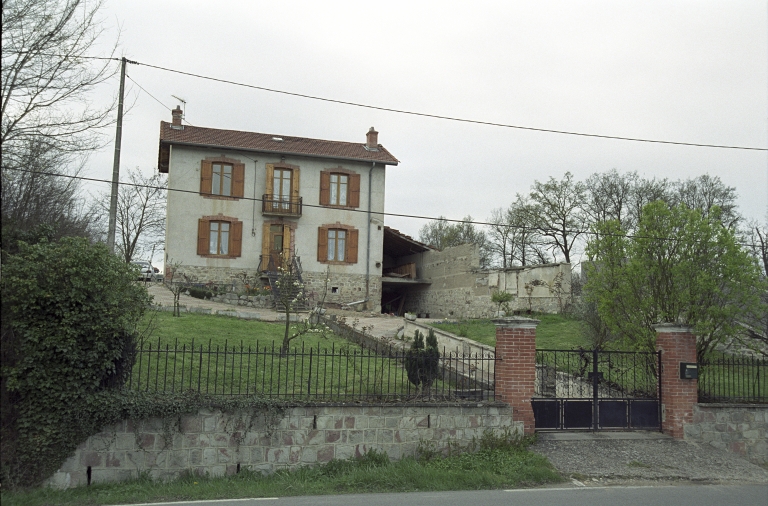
<point>461,289</point>
<point>221,444</point>
<point>737,428</point>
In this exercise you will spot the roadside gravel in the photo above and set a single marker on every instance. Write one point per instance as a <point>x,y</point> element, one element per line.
<point>606,461</point>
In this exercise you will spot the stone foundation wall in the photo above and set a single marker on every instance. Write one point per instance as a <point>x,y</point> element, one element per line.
<point>349,288</point>
<point>737,428</point>
<point>223,443</point>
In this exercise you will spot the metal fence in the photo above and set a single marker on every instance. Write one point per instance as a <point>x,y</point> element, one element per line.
<point>734,379</point>
<point>339,373</point>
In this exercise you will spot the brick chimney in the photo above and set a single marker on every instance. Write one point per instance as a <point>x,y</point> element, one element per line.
<point>372,139</point>
<point>176,114</point>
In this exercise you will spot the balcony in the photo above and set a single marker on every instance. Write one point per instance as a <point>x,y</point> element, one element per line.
<point>275,205</point>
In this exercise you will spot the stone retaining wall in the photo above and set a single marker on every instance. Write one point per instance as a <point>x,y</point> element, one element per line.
<point>737,428</point>
<point>223,443</point>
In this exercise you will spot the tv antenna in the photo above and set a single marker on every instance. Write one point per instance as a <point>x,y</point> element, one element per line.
<point>183,105</point>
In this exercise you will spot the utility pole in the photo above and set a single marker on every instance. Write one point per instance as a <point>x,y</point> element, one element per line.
<point>116,163</point>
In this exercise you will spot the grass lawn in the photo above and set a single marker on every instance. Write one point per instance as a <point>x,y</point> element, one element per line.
<point>227,356</point>
<point>492,467</point>
<point>554,332</point>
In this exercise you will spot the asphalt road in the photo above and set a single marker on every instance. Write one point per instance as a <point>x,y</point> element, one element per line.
<point>683,495</point>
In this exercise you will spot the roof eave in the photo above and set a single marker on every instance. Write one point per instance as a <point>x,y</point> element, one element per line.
<point>251,150</point>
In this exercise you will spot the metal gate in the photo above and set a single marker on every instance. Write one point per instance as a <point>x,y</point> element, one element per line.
<point>597,390</point>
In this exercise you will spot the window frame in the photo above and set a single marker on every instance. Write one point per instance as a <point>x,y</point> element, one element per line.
<point>237,182</point>
<point>234,239</point>
<point>353,188</point>
<point>350,246</point>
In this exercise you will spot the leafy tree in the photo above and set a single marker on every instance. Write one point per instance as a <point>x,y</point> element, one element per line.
<point>680,266</point>
<point>70,312</point>
<point>557,212</point>
<point>422,363</point>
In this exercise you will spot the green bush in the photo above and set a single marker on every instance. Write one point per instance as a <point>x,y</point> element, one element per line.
<point>69,328</point>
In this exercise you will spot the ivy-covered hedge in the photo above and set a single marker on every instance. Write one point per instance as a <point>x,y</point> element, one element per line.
<point>69,326</point>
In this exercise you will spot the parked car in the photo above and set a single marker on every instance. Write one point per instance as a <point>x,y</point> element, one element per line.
<point>146,271</point>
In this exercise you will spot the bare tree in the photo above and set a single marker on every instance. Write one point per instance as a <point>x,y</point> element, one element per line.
<point>704,193</point>
<point>441,234</point>
<point>48,75</point>
<point>49,122</point>
<point>557,212</point>
<point>140,213</point>
<point>608,196</point>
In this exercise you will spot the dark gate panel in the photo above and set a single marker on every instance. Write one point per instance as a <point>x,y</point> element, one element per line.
<point>597,390</point>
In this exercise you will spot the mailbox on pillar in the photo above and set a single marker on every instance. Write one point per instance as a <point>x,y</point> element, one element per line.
<point>689,370</point>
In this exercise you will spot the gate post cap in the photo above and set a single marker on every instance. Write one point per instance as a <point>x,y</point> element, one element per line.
<point>516,322</point>
<point>672,327</point>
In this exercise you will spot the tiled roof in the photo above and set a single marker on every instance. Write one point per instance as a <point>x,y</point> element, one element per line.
<point>252,141</point>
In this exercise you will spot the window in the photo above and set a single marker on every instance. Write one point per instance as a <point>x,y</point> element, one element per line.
<point>339,184</point>
<point>339,187</point>
<point>219,236</point>
<point>222,178</point>
<point>337,243</point>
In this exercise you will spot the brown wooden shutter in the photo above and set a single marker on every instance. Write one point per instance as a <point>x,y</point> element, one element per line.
<point>325,188</point>
<point>238,180</point>
<point>351,246</point>
<point>286,241</point>
<point>295,184</point>
<point>322,244</point>
<point>206,177</point>
<point>265,245</point>
<point>268,186</point>
<point>203,234</point>
<point>236,238</point>
<point>354,190</point>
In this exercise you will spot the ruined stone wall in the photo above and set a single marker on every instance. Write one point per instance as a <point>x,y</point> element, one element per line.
<point>460,289</point>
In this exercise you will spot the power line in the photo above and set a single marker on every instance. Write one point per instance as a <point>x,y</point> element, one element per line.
<point>434,116</point>
<point>394,215</point>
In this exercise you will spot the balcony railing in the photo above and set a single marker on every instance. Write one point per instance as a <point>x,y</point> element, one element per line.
<point>280,206</point>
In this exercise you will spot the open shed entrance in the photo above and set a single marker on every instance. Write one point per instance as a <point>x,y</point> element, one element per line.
<point>401,270</point>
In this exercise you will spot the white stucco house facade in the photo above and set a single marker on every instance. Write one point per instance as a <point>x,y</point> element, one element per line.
<point>237,199</point>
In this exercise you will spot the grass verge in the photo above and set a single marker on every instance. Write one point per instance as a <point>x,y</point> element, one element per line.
<point>500,462</point>
<point>555,331</point>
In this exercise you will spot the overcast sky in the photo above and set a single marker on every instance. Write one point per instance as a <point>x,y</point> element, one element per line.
<point>681,71</point>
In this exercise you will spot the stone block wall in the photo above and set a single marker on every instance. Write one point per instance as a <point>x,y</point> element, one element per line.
<point>737,428</point>
<point>349,288</point>
<point>223,443</point>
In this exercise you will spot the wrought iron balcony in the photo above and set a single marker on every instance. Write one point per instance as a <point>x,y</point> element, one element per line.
<point>275,205</point>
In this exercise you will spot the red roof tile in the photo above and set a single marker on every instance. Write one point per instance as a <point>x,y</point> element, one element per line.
<point>252,141</point>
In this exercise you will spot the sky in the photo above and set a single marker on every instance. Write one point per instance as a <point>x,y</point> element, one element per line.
<point>694,72</point>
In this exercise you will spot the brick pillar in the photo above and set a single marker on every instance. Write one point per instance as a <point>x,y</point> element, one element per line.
<point>677,344</point>
<point>516,370</point>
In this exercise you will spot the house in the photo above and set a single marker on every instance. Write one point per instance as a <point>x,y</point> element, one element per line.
<point>237,201</point>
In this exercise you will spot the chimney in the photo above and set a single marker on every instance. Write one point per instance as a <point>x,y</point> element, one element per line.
<point>372,140</point>
<point>176,114</point>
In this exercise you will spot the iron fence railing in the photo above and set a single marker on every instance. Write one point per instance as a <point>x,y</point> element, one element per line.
<point>581,373</point>
<point>336,374</point>
<point>733,379</point>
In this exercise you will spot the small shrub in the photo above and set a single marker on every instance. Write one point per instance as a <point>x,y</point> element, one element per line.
<point>422,363</point>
